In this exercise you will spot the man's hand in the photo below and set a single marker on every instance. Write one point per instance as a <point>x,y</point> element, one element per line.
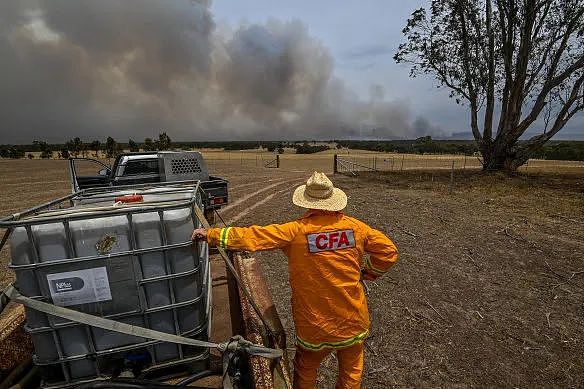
<point>199,234</point>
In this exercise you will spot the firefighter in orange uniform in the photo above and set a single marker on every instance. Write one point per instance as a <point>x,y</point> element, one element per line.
<point>325,250</point>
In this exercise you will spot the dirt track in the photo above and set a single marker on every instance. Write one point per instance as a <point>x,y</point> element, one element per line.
<point>487,291</point>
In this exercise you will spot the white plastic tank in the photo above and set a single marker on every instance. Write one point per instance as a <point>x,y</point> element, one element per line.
<point>132,262</point>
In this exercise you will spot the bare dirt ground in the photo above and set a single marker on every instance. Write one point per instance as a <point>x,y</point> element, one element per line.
<point>488,290</point>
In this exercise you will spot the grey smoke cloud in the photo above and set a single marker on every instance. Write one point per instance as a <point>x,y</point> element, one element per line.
<point>133,68</point>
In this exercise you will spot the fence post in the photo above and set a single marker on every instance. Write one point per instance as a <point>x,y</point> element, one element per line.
<point>277,160</point>
<point>375,162</point>
<point>451,178</point>
<point>335,171</point>
<point>402,163</point>
<point>464,166</point>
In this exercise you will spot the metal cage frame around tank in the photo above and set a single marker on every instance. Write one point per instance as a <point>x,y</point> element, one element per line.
<point>34,216</point>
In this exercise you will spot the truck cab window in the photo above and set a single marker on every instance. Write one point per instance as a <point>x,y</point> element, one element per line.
<point>141,167</point>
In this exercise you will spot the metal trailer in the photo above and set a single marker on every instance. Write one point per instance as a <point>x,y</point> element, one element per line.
<point>70,353</point>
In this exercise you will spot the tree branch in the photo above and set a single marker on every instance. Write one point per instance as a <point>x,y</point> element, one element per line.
<point>507,55</point>
<point>460,6</point>
<point>548,86</point>
<point>488,124</point>
<point>565,114</point>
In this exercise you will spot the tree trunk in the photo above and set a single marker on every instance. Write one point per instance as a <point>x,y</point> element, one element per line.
<point>502,155</point>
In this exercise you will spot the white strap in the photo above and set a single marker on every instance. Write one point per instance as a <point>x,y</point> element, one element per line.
<point>128,329</point>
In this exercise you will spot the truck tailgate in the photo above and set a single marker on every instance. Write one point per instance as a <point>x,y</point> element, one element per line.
<point>216,189</point>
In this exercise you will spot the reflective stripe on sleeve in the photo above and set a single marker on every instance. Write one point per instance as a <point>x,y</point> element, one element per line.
<point>340,344</point>
<point>369,266</point>
<point>224,237</point>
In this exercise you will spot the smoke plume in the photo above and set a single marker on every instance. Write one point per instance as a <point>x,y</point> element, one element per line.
<point>134,68</point>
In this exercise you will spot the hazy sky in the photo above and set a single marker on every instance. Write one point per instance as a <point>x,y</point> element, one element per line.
<point>221,70</point>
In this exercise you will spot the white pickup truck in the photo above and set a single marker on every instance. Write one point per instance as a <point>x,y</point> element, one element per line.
<point>151,167</point>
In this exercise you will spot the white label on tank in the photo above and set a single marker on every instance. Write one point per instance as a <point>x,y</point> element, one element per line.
<point>79,287</point>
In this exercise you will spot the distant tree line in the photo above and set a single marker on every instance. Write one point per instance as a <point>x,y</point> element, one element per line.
<point>568,151</point>
<point>77,148</point>
<point>422,145</point>
<point>305,148</point>
<point>558,150</point>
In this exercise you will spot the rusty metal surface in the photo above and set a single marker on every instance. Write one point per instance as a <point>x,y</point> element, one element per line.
<point>265,374</point>
<point>15,343</point>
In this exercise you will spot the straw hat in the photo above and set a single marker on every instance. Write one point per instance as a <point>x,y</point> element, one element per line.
<point>319,193</point>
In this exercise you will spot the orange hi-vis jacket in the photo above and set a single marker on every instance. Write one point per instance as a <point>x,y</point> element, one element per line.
<point>325,251</point>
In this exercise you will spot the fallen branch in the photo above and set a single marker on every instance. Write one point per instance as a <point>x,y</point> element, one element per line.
<point>472,260</point>
<point>409,233</point>
<point>568,280</point>
<point>414,314</point>
<point>434,309</point>
<point>552,270</point>
<point>505,230</point>
<point>380,369</point>
<point>568,219</point>
<point>523,340</point>
<point>368,346</point>
<point>562,277</point>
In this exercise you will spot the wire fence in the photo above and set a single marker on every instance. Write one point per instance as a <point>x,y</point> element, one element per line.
<point>246,160</point>
<point>354,163</point>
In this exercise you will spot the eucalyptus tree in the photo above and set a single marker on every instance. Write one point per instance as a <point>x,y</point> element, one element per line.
<point>512,62</point>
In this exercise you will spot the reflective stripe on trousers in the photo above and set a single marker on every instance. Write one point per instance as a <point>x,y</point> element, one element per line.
<point>306,363</point>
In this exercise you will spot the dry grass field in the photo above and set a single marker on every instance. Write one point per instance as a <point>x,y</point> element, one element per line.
<point>489,289</point>
<point>393,162</point>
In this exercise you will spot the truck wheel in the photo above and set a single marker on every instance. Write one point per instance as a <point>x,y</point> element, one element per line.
<point>210,216</point>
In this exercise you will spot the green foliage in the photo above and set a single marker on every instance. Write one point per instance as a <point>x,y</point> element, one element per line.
<point>164,142</point>
<point>149,145</point>
<point>96,147</point>
<point>74,146</point>
<point>423,145</point>
<point>233,145</point>
<point>526,58</point>
<point>133,146</point>
<point>568,151</point>
<point>44,148</point>
<point>12,151</point>
<point>305,148</point>
<point>16,152</point>
<point>112,148</point>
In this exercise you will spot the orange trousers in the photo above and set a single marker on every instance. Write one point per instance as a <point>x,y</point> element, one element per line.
<point>306,363</point>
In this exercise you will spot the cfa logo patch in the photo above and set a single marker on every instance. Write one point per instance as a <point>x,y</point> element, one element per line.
<point>329,241</point>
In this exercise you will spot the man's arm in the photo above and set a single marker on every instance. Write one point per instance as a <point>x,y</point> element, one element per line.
<point>382,254</point>
<point>252,238</point>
